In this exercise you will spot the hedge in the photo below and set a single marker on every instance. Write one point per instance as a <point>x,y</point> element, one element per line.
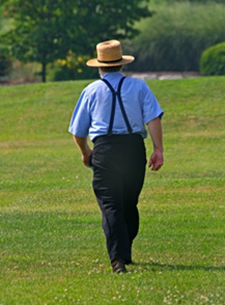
<point>213,60</point>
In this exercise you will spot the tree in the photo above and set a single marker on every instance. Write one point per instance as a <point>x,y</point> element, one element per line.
<point>5,62</point>
<point>46,30</point>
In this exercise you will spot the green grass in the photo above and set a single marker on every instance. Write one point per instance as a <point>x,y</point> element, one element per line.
<point>52,249</point>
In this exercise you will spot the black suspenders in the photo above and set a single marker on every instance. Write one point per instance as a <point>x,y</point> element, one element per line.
<point>114,94</point>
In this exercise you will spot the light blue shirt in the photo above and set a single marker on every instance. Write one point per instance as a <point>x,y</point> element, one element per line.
<point>93,110</point>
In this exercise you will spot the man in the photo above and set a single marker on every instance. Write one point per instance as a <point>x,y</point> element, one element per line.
<point>113,111</point>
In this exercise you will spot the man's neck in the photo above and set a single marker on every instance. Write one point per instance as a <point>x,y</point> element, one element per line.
<point>101,73</point>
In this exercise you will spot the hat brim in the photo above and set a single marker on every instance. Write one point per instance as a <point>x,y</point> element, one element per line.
<point>126,59</point>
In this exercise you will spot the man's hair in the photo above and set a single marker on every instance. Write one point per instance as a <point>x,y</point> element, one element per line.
<point>111,69</point>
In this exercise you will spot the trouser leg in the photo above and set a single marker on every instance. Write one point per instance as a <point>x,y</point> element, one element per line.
<point>113,219</point>
<point>133,185</point>
<point>118,179</point>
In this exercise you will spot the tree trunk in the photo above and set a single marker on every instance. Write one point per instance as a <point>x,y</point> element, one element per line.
<point>43,72</point>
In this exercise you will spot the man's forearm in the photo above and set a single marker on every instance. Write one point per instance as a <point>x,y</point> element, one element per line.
<point>84,148</point>
<point>83,145</point>
<point>155,131</point>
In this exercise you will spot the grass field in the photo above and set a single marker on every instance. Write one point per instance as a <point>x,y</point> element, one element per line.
<point>52,248</point>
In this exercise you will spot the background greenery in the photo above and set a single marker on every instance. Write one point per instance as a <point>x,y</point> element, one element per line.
<point>52,246</point>
<point>174,38</point>
<point>50,29</point>
<point>172,35</point>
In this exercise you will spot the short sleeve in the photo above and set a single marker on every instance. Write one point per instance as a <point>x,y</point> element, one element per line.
<point>151,107</point>
<point>80,120</point>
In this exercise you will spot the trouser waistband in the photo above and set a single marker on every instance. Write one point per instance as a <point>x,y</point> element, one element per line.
<point>117,138</point>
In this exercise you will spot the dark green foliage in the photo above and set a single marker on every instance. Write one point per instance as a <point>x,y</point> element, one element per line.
<point>213,60</point>
<point>65,73</point>
<point>50,29</point>
<point>5,62</point>
<point>71,68</point>
<point>175,37</point>
<point>5,65</point>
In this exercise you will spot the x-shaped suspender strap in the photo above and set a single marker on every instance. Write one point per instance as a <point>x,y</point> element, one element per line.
<point>114,94</point>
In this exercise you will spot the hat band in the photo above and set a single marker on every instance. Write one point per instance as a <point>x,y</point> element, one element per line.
<point>109,62</point>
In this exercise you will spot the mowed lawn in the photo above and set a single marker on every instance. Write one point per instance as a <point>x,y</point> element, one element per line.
<point>52,248</point>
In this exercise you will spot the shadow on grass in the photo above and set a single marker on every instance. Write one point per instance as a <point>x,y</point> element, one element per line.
<point>158,267</point>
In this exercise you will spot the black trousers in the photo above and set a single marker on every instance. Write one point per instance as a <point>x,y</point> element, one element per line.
<point>118,163</point>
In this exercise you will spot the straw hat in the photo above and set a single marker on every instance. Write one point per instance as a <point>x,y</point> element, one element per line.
<point>109,54</point>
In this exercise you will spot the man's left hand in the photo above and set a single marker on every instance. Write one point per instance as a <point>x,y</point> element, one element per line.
<point>156,161</point>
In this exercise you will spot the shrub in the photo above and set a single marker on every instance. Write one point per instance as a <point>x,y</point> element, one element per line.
<point>213,60</point>
<point>73,67</point>
<point>174,38</point>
